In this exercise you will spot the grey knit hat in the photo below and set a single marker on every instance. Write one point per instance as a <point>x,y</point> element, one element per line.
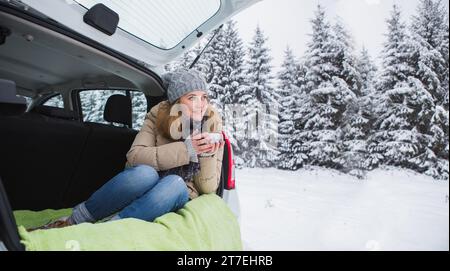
<point>182,81</point>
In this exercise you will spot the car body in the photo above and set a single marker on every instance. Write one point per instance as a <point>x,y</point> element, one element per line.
<point>59,54</point>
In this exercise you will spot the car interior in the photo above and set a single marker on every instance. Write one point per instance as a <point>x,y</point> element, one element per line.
<point>51,159</point>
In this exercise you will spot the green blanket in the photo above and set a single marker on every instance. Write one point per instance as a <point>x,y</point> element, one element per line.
<point>205,223</point>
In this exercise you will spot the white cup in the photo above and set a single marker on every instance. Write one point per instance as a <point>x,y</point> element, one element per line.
<point>215,138</point>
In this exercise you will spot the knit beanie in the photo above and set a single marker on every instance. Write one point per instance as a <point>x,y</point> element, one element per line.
<point>182,81</point>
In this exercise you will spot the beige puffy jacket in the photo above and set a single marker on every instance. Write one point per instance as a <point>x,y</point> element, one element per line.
<point>153,149</point>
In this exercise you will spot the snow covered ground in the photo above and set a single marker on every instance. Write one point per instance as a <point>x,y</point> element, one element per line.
<point>327,210</point>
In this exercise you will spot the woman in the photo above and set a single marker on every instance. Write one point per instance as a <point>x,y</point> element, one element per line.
<point>170,161</point>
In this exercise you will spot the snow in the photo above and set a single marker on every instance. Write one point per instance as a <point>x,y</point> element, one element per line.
<point>321,209</point>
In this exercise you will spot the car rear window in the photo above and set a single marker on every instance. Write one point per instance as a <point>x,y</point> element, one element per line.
<point>162,23</point>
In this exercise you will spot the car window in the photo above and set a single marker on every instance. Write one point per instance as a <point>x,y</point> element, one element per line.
<point>93,104</point>
<point>162,23</point>
<point>55,101</point>
<point>139,103</point>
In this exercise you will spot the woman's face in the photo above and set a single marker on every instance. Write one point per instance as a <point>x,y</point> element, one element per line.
<point>196,103</point>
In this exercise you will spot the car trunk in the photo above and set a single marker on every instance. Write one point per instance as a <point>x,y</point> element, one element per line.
<point>49,161</point>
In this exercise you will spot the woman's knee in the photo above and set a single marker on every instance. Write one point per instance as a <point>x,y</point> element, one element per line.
<point>144,171</point>
<point>144,175</point>
<point>177,187</point>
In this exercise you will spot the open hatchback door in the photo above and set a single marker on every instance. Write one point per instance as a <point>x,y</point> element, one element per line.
<point>151,32</point>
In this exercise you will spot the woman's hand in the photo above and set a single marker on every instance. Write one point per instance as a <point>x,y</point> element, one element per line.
<point>216,146</point>
<point>201,144</point>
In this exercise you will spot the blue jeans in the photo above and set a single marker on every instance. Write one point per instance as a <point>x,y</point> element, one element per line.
<point>136,192</point>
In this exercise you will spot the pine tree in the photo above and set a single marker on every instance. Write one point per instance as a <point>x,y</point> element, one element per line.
<point>354,125</point>
<point>246,143</point>
<point>333,82</point>
<point>299,110</point>
<point>234,68</point>
<point>233,83</point>
<point>215,73</point>
<point>430,60</point>
<point>344,58</point>
<point>265,112</point>
<point>444,50</point>
<point>409,86</point>
<point>320,52</point>
<point>440,131</point>
<point>366,105</point>
<point>395,54</point>
<point>395,70</point>
<point>427,28</point>
<point>367,70</point>
<point>358,120</point>
<point>321,121</point>
<point>288,91</point>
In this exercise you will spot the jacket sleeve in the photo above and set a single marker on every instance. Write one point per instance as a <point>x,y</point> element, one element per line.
<point>208,179</point>
<point>144,149</point>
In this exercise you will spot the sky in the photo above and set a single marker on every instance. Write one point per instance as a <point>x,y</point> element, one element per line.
<point>287,22</point>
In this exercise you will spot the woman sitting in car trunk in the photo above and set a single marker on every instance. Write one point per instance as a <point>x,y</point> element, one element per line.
<point>172,159</point>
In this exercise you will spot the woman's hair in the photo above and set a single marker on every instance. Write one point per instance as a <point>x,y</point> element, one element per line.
<point>165,122</point>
